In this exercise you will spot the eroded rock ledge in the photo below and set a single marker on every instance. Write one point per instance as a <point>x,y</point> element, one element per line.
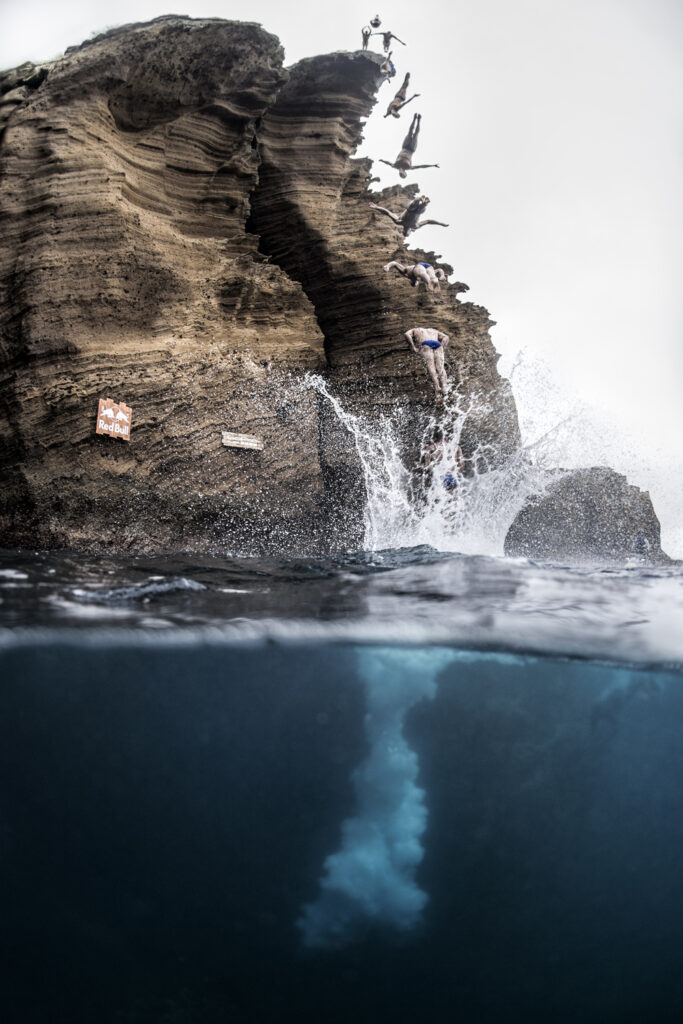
<point>184,229</point>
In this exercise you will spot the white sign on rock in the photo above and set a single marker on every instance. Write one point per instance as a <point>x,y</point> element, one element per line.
<point>242,441</point>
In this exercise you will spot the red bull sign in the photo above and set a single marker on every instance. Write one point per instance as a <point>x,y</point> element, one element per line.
<point>114,419</point>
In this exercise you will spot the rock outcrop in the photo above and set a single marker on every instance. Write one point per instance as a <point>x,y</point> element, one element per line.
<point>184,230</point>
<point>588,516</point>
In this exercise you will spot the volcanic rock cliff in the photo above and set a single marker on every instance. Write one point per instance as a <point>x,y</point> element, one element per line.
<point>588,515</point>
<point>184,230</point>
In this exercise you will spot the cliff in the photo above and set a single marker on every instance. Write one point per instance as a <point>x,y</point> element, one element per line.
<point>185,230</point>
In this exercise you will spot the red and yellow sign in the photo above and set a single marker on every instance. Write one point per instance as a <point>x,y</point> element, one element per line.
<point>114,419</point>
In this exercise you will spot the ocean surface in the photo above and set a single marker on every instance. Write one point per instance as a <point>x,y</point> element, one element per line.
<point>399,785</point>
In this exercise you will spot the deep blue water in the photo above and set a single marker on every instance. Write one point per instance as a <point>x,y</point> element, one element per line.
<point>393,787</point>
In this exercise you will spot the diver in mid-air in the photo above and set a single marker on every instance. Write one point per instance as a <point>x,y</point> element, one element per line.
<point>418,273</point>
<point>409,220</point>
<point>403,162</point>
<point>387,69</point>
<point>386,40</point>
<point>399,101</point>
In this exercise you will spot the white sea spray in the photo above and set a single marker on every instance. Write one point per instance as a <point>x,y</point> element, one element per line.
<point>406,507</point>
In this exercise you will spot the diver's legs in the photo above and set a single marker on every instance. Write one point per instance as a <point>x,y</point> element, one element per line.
<point>428,359</point>
<point>441,368</point>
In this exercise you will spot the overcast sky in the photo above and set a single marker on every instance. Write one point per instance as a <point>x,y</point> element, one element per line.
<point>557,125</point>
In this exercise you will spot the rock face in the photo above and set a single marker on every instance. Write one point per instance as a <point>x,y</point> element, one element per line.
<point>184,230</point>
<point>589,516</point>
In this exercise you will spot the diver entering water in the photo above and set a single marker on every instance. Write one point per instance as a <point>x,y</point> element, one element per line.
<point>418,273</point>
<point>403,162</point>
<point>449,465</point>
<point>409,220</point>
<point>399,101</point>
<point>429,343</point>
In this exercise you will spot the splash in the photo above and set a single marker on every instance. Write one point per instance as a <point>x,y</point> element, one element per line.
<point>370,880</point>
<point>441,502</point>
<point>387,480</point>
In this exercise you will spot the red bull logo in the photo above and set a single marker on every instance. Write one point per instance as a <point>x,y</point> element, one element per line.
<point>114,419</point>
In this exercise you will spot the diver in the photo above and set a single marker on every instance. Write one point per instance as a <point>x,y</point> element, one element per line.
<point>403,162</point>
<point>641,545</point>
<point>386,40</point>
<point>375,22</point>
<point>450,465</point>
<point>429,343</point>
<point>418,273</point>
<point>387,69</point>
<point>409,220</point>
<point>399,101</point>
<point>366,33</point>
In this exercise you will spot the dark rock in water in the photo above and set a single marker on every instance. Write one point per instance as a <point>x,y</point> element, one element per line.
<point>135,172</point>
<point>587,516</point>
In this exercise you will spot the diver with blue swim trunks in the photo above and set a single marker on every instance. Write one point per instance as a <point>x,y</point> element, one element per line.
<point>430,344</point>
<point>445,459</point>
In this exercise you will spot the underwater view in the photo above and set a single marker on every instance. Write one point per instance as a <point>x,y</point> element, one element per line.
<point>401,784</point>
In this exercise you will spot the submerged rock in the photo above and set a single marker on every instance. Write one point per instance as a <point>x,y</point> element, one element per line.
<point>588,516</point>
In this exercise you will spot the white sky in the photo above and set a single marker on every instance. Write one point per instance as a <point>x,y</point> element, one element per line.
<point>557,125</point>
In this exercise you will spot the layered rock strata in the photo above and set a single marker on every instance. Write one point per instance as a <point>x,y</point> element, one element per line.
<point>588,516</point>
<point>127,273</point>
<point>311,211</point>
<point>184,231</point>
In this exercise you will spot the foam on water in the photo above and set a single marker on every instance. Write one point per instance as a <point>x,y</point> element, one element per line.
<point>155,587</point>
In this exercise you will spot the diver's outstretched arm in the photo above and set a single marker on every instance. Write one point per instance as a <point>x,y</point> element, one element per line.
<point>423,223</point>
<point>382,209</point>
<point>394,112</point>
<point>405,104</point>
<point>397,39</point>
<point>388,163</point>
<point>417,167</point>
